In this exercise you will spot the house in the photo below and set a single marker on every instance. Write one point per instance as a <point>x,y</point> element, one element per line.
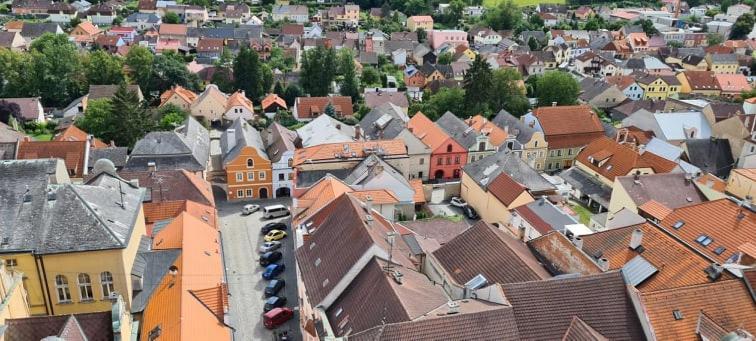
<point>377,98</point>
<point>186,147</point>
<point>485,36</point>
<point>31,108</point>
<point>280,147</point>
<point>239,106</point>
<point>147,6</point>
<point>712,155</point>
<point>477,145</point>
<point>566,129</point>
<point>97,228</point>
<point>210,104</point>
<point>653,196</point>
<point>416,22</point>
<point>523,139</point>
<point>173,32</point>
<point>29,7</point>
<point>694,62</point>
<point>600,94</point>
<point>31,31</point>
<point>699,82</point>
<point>658,87</point>
<point>389,190</point>
<point>443,147</point>
<point>178,96</point>
<point>102,14</point>
<point>85,33</point>
<point>583,12</point>
<point>482,250</point>
<point>722,63</point>
<point>557,252</point>
<point>142,21</point>
<point>128,34</point>
<point>326,129</point>
<point>294,13</point>
<point>12,41</point>
<point>529,64</point>
<point>539,218</point>
<point>385,121</point>
<point>560,11</point>
<point>347,15</point>
<point>648,64</point>
<point>627,85</point>
<point>210,48</point>
<point>246,163</point>
<point>171,187</point>
<point>732,85</point>
<point>454,38</point>
<point>73,133</point>
<point>496,136</point>
<point>75,153</point>
<point>110,324</point>
<point>233,13</point>
<point>109,43</point>
<point>61,12</point>
<point>308,108</point>
<point>272,104</point>
<point>672,126</point>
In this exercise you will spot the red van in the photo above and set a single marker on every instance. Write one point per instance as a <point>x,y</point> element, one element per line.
<point>277,317</point>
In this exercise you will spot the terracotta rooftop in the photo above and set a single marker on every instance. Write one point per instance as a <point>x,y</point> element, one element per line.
<point>349,151</point>
<point>560,256</point>
<point>483,249</point>
<point>72,153</point>
<point>239,99</point>
<point>733,83</point>
<point>734,226</point>
<point>187,95</point>
<point>311,107</point>
<point>621,81</point>
<point>318,195</point>
<point>210,45</point>
<point>674,313</point>
<point>172,185</point>
<point>173,29</point>
<point>378,196</point>
<point>569,126</point>
<point>417,186</point>
<point>611,159</point>
<point>506,189</point>
<point>677,265</point>
<point>702,80</point>
<point>655,209</point>
<point>482,125</point>
<point>427,131</point>
<point>271,99</point>
<point>72,133</point>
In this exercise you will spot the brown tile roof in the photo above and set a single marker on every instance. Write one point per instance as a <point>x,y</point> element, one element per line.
<point>678,265</point>
<point>147,5</point>
<point>621,81</point>
<point>427,131</point>
<point>476,320</point>
<point>210,45</point>
<point>374,298</point>
<point>482,125</point>
<point>166,210</point>
<point>734,226</point>
<point>324,152</point>
<point>581,331</point>
<point>670,189</point>
<point>214,299</point>
<point>483,249</point>
<point>273,99</point>
<point>185,94</point>
<point>655,209</point>
<point>107,40</point>
<point>72,133</point>
<point>727,303</point>
<point>95,326</point>
<point>441,229</point>
<point>172,185</point>
<point>310,107</point>
<point>292,29</point>
<point>569,126</point>
<point>379,196</point>
<point>702,80</point>
<point>29,106</point>
<point>14,25</point>
<point>172,29</point>
<point>506,189</point>
<point>560,255</point>
<point>619,159</point>
<point>733,83</point>
<point>544,309</point>
<point>72,153</point>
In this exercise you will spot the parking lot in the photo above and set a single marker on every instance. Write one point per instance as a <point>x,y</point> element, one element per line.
<point>241,240</point>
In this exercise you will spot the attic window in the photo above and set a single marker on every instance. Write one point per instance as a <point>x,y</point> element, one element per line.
<point>338,312</point>
<point>325,282</point>
<point>679,224</point>
<point>312,245</point>
<point>317,262</point>
<point>704,240</point>
<point>720,250</point>
<point>677,314</point>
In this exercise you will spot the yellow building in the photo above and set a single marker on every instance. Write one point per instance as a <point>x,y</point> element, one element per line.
<point>658,87</point>
<point>723,63</point>
<point>12,294</point>
<point>742,183</point>
<point>75,243</point>
<point>494,202</point>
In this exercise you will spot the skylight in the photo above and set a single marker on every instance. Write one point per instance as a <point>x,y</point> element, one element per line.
<point>704,240</point>
<point>720,250</point>
<point>678,224</point>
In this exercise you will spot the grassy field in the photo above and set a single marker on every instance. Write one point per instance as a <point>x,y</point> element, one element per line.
<point>522,3</point>
<point>583,213</point>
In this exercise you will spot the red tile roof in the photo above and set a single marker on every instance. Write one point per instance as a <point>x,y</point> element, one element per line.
<point>427,131</point>
<point>173,29</point>
<point>210,45</point>
<point>72,133</point>
<point>506,189</point>
<point>273,99</point>
<point>187,95</point>
<point>617,159</point>
<point>569,126</point>
<point>581,331</point>
<point>311,107</point>
<point>348,150</point>
<point>72,153</point>
<point>560,255</point>
<point>655,209</point>
<point>702,80</point>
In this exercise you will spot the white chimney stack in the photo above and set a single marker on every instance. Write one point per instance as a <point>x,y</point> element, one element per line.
<point>231,138</point>
<point>636,238</point>
<point>603,264</point>
<point>578,243</point>
<point>453,307</point>
<point>151,167</point>
<point>369,204</point>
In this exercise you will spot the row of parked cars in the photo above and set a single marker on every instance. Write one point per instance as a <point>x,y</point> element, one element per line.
<point>275,312</point>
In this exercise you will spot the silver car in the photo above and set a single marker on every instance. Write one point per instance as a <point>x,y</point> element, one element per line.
<point>270,246</point>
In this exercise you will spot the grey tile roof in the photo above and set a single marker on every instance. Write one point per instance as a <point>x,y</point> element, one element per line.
<point>671,189</point>
<point>587,185</point>
<point>118,155</point>
<point>109,90</point>
<point>279,140</point>
<point>245,136</point>
<point>187,147</point>
<point>513,126</point>
<point>241,32</point>
<point>44,217</point>
<point>386,176</point>
<point>308,178</point>
<point>458,129</point>
<point>711,155</point>
<point>150,18</point>
<point>385,121</point>
<point>591,87</point>
<point>34,30</point>
<point>485,170</point>
<point>151,267</point>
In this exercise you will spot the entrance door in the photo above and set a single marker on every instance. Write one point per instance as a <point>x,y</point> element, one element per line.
<point>283,192</point>
<point>439,174</point>
<point>263,193</point>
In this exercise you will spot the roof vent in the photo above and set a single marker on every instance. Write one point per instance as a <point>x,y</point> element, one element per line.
<point>636,238</point>
<point>453,307</point>
<point>578,242</point>
<point>397,276</point>
<point>51,195</point>
<point>714,271</point>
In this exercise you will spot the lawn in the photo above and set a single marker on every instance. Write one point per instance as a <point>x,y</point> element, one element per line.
<point>583,213</point>
<point>522,3</point>
<point>42,137</point>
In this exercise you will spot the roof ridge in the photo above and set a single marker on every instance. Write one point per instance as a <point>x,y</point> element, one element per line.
<point>731,281</point>
<point>97,215</point>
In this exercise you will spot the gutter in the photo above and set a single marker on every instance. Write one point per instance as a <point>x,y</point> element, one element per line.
<point>44,285</point>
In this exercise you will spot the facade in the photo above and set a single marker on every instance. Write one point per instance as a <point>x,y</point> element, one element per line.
<point>447,155</point>
<point>280,146</point>
<point>238,105</point>
<point>452,37</point>
<point>178,96</point>
<point>478,145</point>
<point>530,144</point>
<point>416,22</point>
<point>296,13</point>
<point>249,174</point>
<point>210,104</point>
<point>493,201</point>
<point>567,129</point>
<point>742,183</point>
<point>419,156</point>
<point>659,87</point>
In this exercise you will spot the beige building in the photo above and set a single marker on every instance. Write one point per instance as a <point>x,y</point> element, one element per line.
<point>211,104</point>
<point>742,183</point>
<point>12,294</point>
<point>494,202</point>
<point>419,156</point>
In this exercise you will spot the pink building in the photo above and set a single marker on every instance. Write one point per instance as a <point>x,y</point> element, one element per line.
<point>453,37</point>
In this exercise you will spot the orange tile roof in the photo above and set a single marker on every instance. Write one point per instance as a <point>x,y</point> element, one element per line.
<point>678,265</point>
<point>379,196</point>
<point>239,99</point>
<point>187,95</point>
<point>184,305</point>
<point>273,99</point>
<point>72,153</point>
<point>417,186</point>
<point>319,195</point>
<point>621,81</point>
<point>328,151</point>
<point>655,209</point>
<point>173,29</point>
<point>310,107</point>
<point>717,184</point>
<point>496,135</point>
<point>89,27</point>
<point>72,133</point>
<point>728,303</point>
<point>733,83</point>
<point>620,159</point>
<point>569,126</point>
<point>154,212</point>
<point>427,131</point>
<point>505,189</point>
<point>726,223</point>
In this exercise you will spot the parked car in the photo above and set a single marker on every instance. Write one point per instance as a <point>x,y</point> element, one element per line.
<point>458,202</point>
<point>270,258</point>
<point>275,235</point>
<point>272,226</point>
<point>274,302</point>
<point>270,246</point>
<point>273,270</point>
<point>277,317</point>
<point>470,212</point>
<point>274,287</point>
<point>249,209</point>
<point>275,211</point>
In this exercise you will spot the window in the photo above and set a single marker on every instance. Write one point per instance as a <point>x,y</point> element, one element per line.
<point>281,177</point>
<point>440,161</point>
<point>291,162</point>
<point>250,163</point>
<point>85,287</point>
<point>422,160</point>
<point>448,160</point>
<point>11,262</point>
<point>481,146</point>
<point>420,175</point>
<point>240,194</point>
<point>548,166</point>
<point>249,193</point>
<point>704,240</point>
<point>261,175</point>
<point>449,148</point>
<point>456,160</point>
<point>239,176</point>
<point>569,151</point>
<point>250,176</point>
<point>61,286</point>
<point>106,280</point>
<point>559,152</point>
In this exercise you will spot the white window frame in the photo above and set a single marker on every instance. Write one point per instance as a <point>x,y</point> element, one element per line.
<point>239,176</point>
<point>250,176</point>
<point>61,287</point>
<point>106,282</point>
<point>261,176</point>
<point>85,287</point>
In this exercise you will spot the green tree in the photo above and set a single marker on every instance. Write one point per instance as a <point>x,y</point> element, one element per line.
<point>435,105</point>
<point>97,119</point>
<point>557,86</point>
<point>75,21</point>
<point>505,16</point>
<point>648,26</point>
<point>349,84</point>
<point>478,84</point>
<point>421,35</point>
<point>714,39</point>
<point>248,73</point>
<point>168,71</point>
<point>171,18</point>
<point>130,119</point>
<point>330,110</point>
<point>674,43</point>
<point>103,68</point>
<point>536,22</point>
<point>223,78</point>
<point>279,60</point>
<point>57,71</point>
<point>171,116</point>
<point>267,79</point>
<point>15,74</point>
<point>9,110</point>
<point>278,89</point>
<point>533,44</point>
<point>139,60</point>
<point>318,71</point>
<point>292,92</point>
<point>370,76</point>
<point>743,26</point>
<point>508,92</point>
<point>445,58</point>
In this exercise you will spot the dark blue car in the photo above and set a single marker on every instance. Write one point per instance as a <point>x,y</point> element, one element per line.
<point>273,270</point>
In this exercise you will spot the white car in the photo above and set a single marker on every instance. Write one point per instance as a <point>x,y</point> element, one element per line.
<point>270,246</point>
<point>249,209</point>
<point>459,202</point>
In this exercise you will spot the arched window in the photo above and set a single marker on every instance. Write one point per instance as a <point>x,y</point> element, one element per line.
<point>250,163</point>
<point>61,286</point>
<point>291,162</point>
<point>449,148</point>
<point>85,287</point>
<point>106,280</point>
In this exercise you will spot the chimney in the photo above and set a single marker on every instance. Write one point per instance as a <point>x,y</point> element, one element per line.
<point>636,238</point>
<point>578,242</point>
<point>230,139</point>
<point>369,204</point>
<point>87,147</point>
<point>603,264</point>
<point>453,307</point>
<point>357,132</point>
<point>151,167</point>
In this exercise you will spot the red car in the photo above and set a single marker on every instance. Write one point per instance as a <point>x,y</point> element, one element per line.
<point>277,317</point>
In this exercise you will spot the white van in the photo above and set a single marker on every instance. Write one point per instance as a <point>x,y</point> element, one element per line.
<point>275,211</point>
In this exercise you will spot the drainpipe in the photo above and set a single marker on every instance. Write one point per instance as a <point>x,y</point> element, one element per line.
<point>44,285</point>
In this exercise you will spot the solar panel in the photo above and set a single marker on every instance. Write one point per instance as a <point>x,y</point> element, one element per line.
<point>638,270</point>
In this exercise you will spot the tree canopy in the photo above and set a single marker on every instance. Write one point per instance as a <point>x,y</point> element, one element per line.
<point>318,71</point>
<point>557,86</point>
